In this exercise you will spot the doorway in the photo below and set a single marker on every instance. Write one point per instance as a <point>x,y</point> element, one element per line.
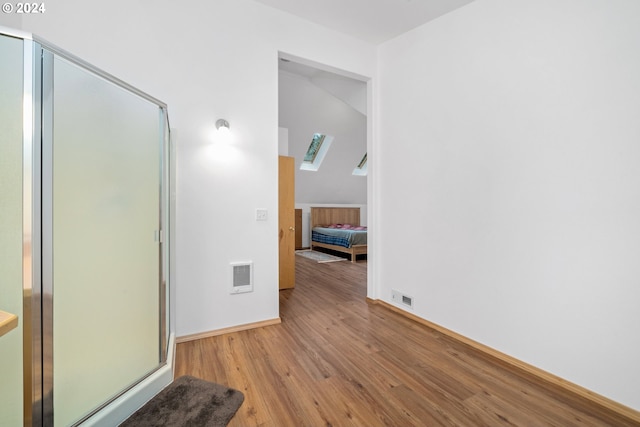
<point>317,102</point>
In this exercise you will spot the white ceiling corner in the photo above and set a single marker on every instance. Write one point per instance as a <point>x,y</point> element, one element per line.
<point>374,21</point>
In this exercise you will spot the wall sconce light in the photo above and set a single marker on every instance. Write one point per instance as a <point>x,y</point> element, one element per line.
<point>222,134</point>
<point>222,125</point>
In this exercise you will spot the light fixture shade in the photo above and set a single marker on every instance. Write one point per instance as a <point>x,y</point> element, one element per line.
<point>222,123</point>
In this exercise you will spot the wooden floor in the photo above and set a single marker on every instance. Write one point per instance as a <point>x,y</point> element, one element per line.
<point>338,361</point>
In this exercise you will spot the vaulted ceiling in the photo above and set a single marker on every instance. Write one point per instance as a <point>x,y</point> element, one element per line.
<point>374,21</point>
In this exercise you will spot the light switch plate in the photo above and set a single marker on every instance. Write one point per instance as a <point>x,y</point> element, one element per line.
<point>261,215</point>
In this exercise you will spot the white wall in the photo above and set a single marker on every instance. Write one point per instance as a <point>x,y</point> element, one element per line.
<point>283,141</point>
<point>209,60</point>
<point>11,20</point>
<point>352,92</point>
<point>305,109</point>
<point>508,150</point>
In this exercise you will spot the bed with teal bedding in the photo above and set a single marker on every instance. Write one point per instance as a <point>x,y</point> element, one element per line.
<point>338,229</point>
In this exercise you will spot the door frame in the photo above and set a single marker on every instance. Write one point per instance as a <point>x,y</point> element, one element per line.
<point>372,163</point>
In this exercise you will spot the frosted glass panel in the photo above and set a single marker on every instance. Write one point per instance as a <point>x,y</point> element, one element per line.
<point>11,87</point>
<point>105,190</point>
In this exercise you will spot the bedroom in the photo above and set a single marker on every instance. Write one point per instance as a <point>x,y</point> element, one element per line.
<point>312,102</point>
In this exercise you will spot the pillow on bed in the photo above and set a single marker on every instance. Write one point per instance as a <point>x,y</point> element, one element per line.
<point>347,227</point>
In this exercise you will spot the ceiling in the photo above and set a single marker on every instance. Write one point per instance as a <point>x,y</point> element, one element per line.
<point>300,69</point>
<point>374,21</point>
<point>312,73</point>
<point>351,91</point>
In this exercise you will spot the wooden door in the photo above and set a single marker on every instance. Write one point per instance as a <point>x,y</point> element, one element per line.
<point>286,222</point>
<point>298,229</point>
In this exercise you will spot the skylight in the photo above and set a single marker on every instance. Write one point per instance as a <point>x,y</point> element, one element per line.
<point>314,147</point>
<point>318,148</point>
<point>361,169</point>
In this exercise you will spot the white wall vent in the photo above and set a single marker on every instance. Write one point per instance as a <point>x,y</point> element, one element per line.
<point>241,277</point>
<point>400,298</point>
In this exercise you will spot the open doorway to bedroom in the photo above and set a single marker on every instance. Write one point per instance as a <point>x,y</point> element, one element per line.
<point>323,127</point>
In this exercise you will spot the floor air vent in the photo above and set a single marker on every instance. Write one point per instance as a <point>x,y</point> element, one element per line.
<point>241,277</point>
<point>401,298</point>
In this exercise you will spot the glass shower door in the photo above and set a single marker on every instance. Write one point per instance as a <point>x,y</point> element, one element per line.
<point>11,238</point>
<point>102,287</point>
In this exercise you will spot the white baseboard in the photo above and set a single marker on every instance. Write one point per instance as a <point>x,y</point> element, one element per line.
<point>215,333</point>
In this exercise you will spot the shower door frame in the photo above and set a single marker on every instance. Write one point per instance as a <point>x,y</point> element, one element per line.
<point>37,264</point>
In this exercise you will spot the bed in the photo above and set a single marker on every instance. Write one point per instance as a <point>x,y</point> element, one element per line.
<point>328,231</point>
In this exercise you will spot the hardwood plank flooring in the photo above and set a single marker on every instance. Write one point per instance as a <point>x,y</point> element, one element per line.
<point>336,360</point>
